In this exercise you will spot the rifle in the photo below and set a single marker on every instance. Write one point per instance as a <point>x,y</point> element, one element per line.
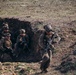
<point>24,45</point>
<point>49,43</point>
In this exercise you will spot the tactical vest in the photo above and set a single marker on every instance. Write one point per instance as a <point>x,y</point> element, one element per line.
<point>7,44</point>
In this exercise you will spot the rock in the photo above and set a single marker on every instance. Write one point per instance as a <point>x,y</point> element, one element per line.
<point>67,64</point>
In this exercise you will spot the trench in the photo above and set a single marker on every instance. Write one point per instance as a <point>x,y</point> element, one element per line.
<point>15,25</point>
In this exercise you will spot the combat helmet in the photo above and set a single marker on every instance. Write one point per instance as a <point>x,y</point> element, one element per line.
<point>22,31</point>
<point>5,28</point>
<point>48,28</point>
<point>5,24</point>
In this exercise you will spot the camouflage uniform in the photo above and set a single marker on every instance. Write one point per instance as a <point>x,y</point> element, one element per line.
<point>47,38</point>
<point>6,45</point>
<point>4,30</point>
<point>21,43</point>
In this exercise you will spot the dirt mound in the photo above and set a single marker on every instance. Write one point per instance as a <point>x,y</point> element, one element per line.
<point>68,58</point>
<point>68,63</point>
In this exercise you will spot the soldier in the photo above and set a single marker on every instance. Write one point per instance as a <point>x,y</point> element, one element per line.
<point>47,38</point>
<point>21,43</point>
<point>6,45</point>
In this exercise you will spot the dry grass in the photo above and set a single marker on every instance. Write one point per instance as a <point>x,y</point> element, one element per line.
<point>39,9</point>
<point>56,12</point>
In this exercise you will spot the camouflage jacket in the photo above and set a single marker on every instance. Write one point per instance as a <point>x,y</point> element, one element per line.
<point>46,42</point>
<point>5,44</point>
<point>24,39</point>
<point>2,33</point>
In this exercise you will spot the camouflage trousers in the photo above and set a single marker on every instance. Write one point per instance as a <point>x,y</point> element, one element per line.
<point>45,63</point>
<point>18,51</point>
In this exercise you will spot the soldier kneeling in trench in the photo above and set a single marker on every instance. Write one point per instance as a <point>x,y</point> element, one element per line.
<point>48,38</point>
<point>21,43</point>
<point>6,45</point>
